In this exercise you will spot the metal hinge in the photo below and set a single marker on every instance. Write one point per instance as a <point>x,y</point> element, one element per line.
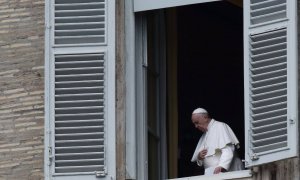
<point>292,121</point>
<point>50,156</point>
<point>101,173</point>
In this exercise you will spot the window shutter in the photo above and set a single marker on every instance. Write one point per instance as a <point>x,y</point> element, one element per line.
<point>270,80</point>
<point>80,135</point>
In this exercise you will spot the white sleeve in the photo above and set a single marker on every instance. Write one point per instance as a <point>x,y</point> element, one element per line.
<point>226,156</point>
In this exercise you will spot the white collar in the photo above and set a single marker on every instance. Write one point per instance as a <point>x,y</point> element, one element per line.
<point>210,124</point>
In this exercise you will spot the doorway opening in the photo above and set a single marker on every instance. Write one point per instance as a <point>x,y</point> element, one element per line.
<point>200,64</point>
<point>210,73</point>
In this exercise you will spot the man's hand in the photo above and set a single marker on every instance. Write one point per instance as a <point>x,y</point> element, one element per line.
<point>202,154</point>
<point>219,169</point>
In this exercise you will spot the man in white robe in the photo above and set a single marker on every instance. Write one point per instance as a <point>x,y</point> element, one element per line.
<point>216,147</point>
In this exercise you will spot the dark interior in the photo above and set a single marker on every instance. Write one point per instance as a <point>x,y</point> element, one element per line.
<point>210,73</point>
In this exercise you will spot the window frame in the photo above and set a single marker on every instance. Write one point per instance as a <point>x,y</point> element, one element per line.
<point>144,5</point>
<point>131,31</point>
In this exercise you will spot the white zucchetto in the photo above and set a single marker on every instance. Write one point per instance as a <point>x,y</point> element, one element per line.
<point>199,110</point>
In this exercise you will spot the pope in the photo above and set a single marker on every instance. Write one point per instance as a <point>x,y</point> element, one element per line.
<point>216,149</point>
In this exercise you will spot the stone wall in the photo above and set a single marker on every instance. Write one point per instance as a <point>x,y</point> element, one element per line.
<point>21,89</point>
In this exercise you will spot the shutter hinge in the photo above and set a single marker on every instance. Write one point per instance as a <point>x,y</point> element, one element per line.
<point>292,121</point>
<point>50,156</point>
<point>254,157</point>
<point>145,65</point>
<point>47,26</point>
<point>101,173</point>
<point>245,162</point>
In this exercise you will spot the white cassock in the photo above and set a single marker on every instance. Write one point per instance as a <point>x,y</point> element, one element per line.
<point>220,142</point>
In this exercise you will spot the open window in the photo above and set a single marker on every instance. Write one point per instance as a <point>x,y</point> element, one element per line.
<point>207,55</point>
<point>186,64</point>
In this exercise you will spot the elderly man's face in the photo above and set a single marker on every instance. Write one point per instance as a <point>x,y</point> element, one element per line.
<point>200,121</point>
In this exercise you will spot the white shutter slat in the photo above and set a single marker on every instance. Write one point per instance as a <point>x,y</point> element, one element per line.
<point>261,128</point>
<point>94,135</point>
<point>271,48</point>
<point>269,100</point>
<point>78,102</point>
<point>272,133</point>
<point>266,11</point>
<point>271,147</point>
<point>262,4</point>
<point>269,107</point>
<point>77,169</point>
<point>78,122</point>
<point>269,61</point>
<point>265,121</point>
<point>77,62</point>
<point>92,148</point>
<point>79,22</point>
<point>79,75</point>
<point>74,116</point>
<point>79,162</point>
<point>268,92</point>
<point>267,88</point>
<point>75,32</point>
<point>277,39</point>
<point>74,142</point>
<point>79,155</point>
<point>79,5</point>
<point>69,70</point>
<point>269,140</point>
<point>89,83</point>
<point>74,130</point>
<point>79,109</point>
<point>67,97</point>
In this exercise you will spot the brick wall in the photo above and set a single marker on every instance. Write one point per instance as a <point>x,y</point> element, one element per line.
<point>21,89</point>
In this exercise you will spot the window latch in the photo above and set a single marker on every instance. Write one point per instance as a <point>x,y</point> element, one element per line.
<point>254,157</point>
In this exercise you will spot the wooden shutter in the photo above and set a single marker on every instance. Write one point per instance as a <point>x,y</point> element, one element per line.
<point>80,62</point>
<point>270,80</point>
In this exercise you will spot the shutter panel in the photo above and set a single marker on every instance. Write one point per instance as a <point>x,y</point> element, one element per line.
<point>79,22</point>
<point>79,113</point>
<point>81,58</point>
<point>270,80</point>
